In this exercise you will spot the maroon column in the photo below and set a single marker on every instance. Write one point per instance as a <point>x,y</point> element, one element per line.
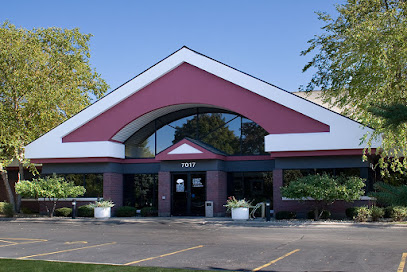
<point>216,191</point>
<point>164,193</point>
<point>113,188</point>
<point>277,183</point>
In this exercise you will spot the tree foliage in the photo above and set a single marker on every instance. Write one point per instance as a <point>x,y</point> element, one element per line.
<point>324,190</point>
<point>212,130</point>
<point>51,188</point>
<point>360,64</point>
<point>389,194</point>
<point>45,78</point>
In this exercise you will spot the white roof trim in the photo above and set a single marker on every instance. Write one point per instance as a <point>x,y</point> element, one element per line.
<point>340,125</point>
<point>185,149</point>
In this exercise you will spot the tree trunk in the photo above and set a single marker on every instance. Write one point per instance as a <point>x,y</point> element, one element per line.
<point>10,195</point>
<point>20,177</point>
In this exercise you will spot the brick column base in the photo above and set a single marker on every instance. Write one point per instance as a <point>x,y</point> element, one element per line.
<point>216,191</point>
<point>277,183</point>
<point>113,188</point>
<point>164,191</point>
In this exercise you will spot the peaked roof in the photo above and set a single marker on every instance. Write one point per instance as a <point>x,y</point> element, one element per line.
<point>342,133</point>
<point>190,149</point>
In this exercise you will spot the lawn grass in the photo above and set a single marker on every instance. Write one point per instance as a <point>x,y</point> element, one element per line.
<point>11,265</point>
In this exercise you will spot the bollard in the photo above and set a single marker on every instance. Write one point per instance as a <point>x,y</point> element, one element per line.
<point>74,209</point>
<point>268,210</point>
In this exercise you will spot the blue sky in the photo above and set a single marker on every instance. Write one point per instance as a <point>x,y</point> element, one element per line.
<point>261,38</point>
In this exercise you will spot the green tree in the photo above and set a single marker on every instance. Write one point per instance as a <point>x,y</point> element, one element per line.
<point>45,78</point>
<point>51,189</point>
<point>360,63</point>
<point>212,130</point>
<point>324,190</point>
<point>389,194</point>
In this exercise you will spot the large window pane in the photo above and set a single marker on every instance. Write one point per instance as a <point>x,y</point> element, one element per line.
<point>226,131</point>
<point>253,186</point>
<point>252,138</point>
<point>146,149</point>
<point>219,133</point>
<point>93,183</point>
<point>140,190</point>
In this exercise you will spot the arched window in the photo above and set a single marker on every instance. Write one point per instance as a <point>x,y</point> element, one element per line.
<point>229,132</point>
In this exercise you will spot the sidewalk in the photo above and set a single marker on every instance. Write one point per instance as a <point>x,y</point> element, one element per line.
<point>219,221</point>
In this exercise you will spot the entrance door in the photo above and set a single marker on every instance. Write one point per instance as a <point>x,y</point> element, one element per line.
<point>188,194</point>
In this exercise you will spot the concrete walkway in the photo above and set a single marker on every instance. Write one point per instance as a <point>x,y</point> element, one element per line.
<point>223,221</point>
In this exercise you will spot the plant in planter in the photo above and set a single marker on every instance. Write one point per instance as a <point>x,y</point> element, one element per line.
<point>102,208</point>
<point>239,208</point>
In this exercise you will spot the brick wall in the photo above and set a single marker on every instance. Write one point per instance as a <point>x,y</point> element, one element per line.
<point>277,183</point>
<point>216,191</point>
<point>164,190</point>
<point>113,188</point>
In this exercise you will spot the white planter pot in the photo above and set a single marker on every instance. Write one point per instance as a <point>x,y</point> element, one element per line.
<point>240,213</point>
<point>102,212</point>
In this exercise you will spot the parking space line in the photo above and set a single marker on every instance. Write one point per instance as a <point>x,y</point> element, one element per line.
<point>4,241</point>
<point>14,241</point>
<point>402,262</point>
<point>164,255</point>
<point>276,260</point>
<point>66,250</point>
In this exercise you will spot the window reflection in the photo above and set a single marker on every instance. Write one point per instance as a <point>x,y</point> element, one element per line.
<point>93,183</point>
<point>226,131</point>
<point>140,190</point>
<point>253,186</point>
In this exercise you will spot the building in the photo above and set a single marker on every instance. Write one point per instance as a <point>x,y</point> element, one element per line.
<point>191,129</point>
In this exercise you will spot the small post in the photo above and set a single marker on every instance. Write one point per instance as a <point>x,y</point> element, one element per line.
<point>268,210</point>
<point>73,208</point>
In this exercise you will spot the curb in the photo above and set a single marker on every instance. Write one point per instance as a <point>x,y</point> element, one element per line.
<point>227,222</point>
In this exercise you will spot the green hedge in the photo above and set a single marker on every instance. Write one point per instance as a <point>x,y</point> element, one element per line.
<point>66,212</point>
<point>85,211</point>
<point>149,211</point>
<point>125,211</point>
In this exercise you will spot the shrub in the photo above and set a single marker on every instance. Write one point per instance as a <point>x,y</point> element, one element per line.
<point>125,211</point>
<point>362,214</point>
<point>398,213</point>
<point>377,213</point>
<point>6,209</point>
<point>285,215</point>
<point>149,211</point>
<point>85,211</point>
<point>388,211</point>
<point>26,210</point>
<point>325,214</point>
<point>63,212</point>
<point>2,207</point>
<point>351,212</point>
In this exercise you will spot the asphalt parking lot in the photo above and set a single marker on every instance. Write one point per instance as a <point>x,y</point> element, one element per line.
<point>183,243</point>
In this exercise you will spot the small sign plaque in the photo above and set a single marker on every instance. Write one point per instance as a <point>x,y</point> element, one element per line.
<point>197,183</point>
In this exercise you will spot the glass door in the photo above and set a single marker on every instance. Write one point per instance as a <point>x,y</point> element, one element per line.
<point>188,194</point>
